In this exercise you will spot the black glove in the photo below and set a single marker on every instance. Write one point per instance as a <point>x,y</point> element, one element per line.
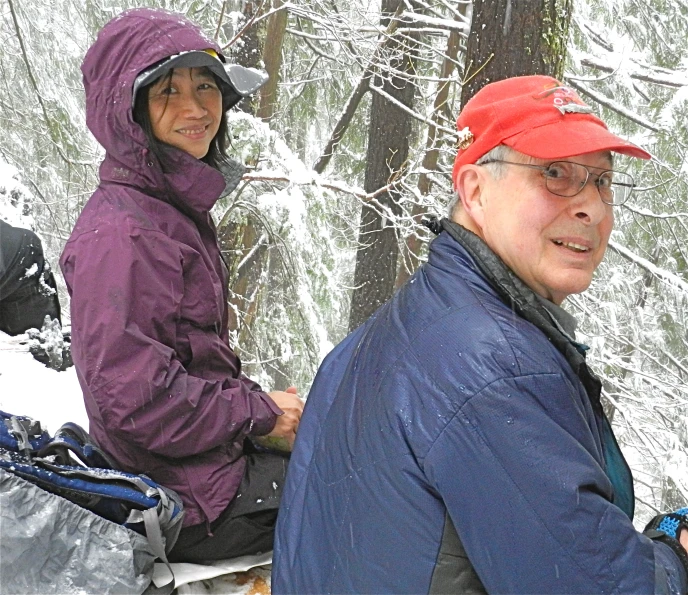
<point>667,529</point>
<point>51,346</point>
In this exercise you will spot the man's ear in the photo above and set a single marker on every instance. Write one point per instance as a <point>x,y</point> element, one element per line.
<point>470,186</point>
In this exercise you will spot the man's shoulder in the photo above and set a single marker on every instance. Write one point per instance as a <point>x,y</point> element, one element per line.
<point>458,325</point>
<point>444,328</point>
<point>459,302</point>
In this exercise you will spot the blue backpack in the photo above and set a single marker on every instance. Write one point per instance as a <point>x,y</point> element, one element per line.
<point>72,466</point>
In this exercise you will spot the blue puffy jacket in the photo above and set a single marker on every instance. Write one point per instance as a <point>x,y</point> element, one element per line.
<point>448,445</point>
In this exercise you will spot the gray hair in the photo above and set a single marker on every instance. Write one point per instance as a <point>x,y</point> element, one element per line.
<point>499,153</point>
<point>497,170</point>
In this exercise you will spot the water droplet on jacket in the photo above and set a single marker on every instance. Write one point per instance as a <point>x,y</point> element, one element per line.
<point>509,420</point>
<point>259,501</point>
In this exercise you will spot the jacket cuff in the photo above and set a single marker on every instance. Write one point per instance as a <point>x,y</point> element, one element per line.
<point>670,578</point>
<point>265,423</point>
<point>675,547</point>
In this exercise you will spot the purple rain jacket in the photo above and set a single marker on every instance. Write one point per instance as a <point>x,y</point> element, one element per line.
<point>164,392</point>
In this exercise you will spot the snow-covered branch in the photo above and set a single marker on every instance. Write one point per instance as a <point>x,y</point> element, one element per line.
<point>641,72</point>
<point>613,105</point>
<point>462,26</point>
<point>336,186</point>
<point>647,213</point>
<point>449,131</point>
<point>669,278</point>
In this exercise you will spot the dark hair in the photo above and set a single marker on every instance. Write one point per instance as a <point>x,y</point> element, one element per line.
<point>217,152</point>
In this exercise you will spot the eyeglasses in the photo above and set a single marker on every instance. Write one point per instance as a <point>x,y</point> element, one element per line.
<point>565,178</point>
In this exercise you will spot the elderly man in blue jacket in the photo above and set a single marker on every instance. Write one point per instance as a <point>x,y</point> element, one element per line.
<point>455,443</point>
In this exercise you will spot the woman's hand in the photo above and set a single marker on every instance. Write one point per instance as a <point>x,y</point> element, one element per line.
<point>284,433</point>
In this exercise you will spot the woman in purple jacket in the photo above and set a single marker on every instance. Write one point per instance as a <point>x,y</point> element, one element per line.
<point>163,390</point>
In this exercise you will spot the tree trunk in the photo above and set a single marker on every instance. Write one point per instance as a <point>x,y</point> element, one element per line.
<point>245,247</point>
<point>388,146</point>
<point>244,252</point>
<point>239,241</point>
<point>272,57</point>
<point>248,53</point>
<point>510,38</point>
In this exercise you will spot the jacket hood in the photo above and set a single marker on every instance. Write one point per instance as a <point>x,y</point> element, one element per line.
<point>127,45</point>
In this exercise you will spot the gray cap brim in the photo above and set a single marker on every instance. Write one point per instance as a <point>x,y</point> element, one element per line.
<point>239,81</point>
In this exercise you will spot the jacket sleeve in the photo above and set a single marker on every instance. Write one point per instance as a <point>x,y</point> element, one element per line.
<point>126,289</point>
<point>531,503</point>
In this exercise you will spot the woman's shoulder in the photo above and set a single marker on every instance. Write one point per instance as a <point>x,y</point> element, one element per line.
<point>117,211</point>
<point>122,210</point>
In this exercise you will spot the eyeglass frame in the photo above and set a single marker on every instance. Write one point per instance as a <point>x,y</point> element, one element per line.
<point>544,168</point>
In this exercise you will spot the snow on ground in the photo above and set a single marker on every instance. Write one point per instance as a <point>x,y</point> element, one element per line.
<point>27,387</point>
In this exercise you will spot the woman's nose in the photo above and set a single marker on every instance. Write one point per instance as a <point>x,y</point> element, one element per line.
<point>194,106</point>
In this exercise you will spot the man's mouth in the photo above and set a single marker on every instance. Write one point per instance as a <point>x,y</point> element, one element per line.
<point>572,246</point>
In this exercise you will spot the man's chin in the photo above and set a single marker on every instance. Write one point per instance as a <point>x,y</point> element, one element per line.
<point>560,291</point>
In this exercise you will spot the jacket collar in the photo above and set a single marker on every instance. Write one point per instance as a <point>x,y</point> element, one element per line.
<point>190,185</point>
<point>523,300</point>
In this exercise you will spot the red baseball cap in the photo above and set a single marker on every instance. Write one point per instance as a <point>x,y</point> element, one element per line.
<point>535,115</point>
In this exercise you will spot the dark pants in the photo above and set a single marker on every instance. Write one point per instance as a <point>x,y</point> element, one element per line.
<point>247,525</point>
<point>27,287</point>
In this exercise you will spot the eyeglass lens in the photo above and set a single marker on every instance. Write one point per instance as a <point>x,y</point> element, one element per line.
<point>568,179</point>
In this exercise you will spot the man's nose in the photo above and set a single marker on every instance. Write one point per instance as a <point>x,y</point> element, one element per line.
<point>588,203</point>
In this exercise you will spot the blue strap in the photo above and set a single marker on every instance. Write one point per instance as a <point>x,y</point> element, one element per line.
<point>104,483</point>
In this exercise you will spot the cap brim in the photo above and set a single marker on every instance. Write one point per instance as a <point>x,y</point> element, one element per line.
<point>245,81</point>
<point>575,137</point>
<point>239,80</point>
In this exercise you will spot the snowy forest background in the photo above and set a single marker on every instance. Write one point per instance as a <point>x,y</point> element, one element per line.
<point>327,222</point>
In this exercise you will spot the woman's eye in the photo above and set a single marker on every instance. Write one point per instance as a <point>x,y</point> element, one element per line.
<point>206,86</point>
<point>165,91</point>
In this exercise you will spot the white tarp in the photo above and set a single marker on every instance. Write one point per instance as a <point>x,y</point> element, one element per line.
<point>187,573</point>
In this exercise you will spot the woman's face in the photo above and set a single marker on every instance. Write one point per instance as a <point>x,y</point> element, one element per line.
<point>185,110</point>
